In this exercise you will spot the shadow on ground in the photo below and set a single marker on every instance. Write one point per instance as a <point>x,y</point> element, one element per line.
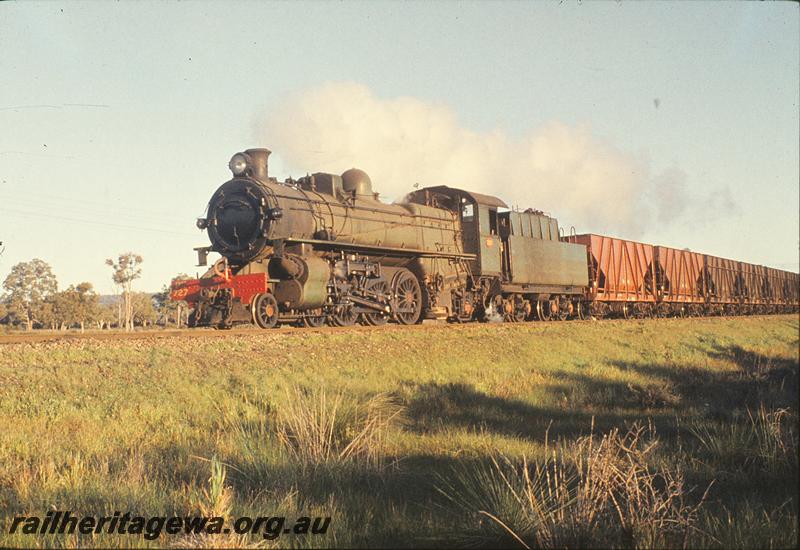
<point>578,399</point>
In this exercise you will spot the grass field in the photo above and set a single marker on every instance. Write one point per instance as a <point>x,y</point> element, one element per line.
<point>641,433</point>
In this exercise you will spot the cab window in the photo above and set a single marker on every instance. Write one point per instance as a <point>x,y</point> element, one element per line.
<point>467,211</point>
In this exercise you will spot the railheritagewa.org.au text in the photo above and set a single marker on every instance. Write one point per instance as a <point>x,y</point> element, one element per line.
<point>151,527</point>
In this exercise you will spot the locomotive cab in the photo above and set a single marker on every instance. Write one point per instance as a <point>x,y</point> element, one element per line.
<point>481,231</point>
<point>479,218</point>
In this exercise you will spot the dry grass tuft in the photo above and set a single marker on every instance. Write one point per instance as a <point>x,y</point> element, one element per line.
<point>593,492</point>
<point>751,526</point>
<point>217,502</point>
<point>775,435</point>
<point>317,429</point>
<point>217,496</point>
<point>767,441</point>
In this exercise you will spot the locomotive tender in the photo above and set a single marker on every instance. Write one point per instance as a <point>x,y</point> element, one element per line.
<point>324,248</point>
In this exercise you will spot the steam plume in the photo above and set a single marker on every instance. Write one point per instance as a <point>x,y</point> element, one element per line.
<point>557,168</point>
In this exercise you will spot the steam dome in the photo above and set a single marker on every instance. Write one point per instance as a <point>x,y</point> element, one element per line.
<point>358,182</point>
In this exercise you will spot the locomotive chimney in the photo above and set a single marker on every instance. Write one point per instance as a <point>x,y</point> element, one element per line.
<point>260,162</point>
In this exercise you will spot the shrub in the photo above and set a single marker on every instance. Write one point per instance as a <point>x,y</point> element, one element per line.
<point>765,440</point>
<point>594,492</point>
<point>316,429</point>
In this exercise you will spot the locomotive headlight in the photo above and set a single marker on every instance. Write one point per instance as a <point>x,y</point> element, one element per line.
<point>238,164</point>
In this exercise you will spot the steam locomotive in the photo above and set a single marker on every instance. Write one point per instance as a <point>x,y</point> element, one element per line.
<point>324,249</point>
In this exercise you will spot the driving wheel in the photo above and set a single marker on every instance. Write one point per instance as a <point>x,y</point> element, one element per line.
<point>407,297</point>
<point>379,290</point>
<point>314,318</point>
<point>344,316</point>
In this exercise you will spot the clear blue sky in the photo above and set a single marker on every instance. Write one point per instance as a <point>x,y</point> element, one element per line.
<point>117,120</point>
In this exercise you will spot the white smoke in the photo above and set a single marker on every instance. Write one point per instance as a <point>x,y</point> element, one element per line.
<point>399,142</point>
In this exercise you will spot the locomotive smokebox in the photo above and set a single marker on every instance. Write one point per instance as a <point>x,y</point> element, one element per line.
<point>240,216</point>
<point>260,162</point>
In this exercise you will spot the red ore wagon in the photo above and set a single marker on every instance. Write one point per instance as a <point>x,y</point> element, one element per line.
<point>780,285</point>
<point>679,281</point>
<point>724,285</point>
<point>757,292</point>
<point>621,276</point>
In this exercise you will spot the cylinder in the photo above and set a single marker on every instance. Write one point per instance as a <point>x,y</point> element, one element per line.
<point>310,286</point>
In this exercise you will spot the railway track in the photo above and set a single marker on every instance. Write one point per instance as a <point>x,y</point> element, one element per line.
<point>52,336</point>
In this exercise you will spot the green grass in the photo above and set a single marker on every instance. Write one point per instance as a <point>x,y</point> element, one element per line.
<point>379,429</point>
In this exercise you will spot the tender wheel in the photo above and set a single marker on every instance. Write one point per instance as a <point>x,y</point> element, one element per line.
<point>380,289</point>
<point>544,310</point>
<point>566,309</point>
<point>504,307</point>
<point>528,309</point>
<point>345,316</point>
<point>314,318</point>
<point>520,310</point>
<point>513,308</point>
<point>265,311</point>
<point>407,298</point>
<point>581,311</point>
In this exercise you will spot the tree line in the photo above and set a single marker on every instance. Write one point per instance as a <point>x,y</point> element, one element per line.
<point>31,299</point>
